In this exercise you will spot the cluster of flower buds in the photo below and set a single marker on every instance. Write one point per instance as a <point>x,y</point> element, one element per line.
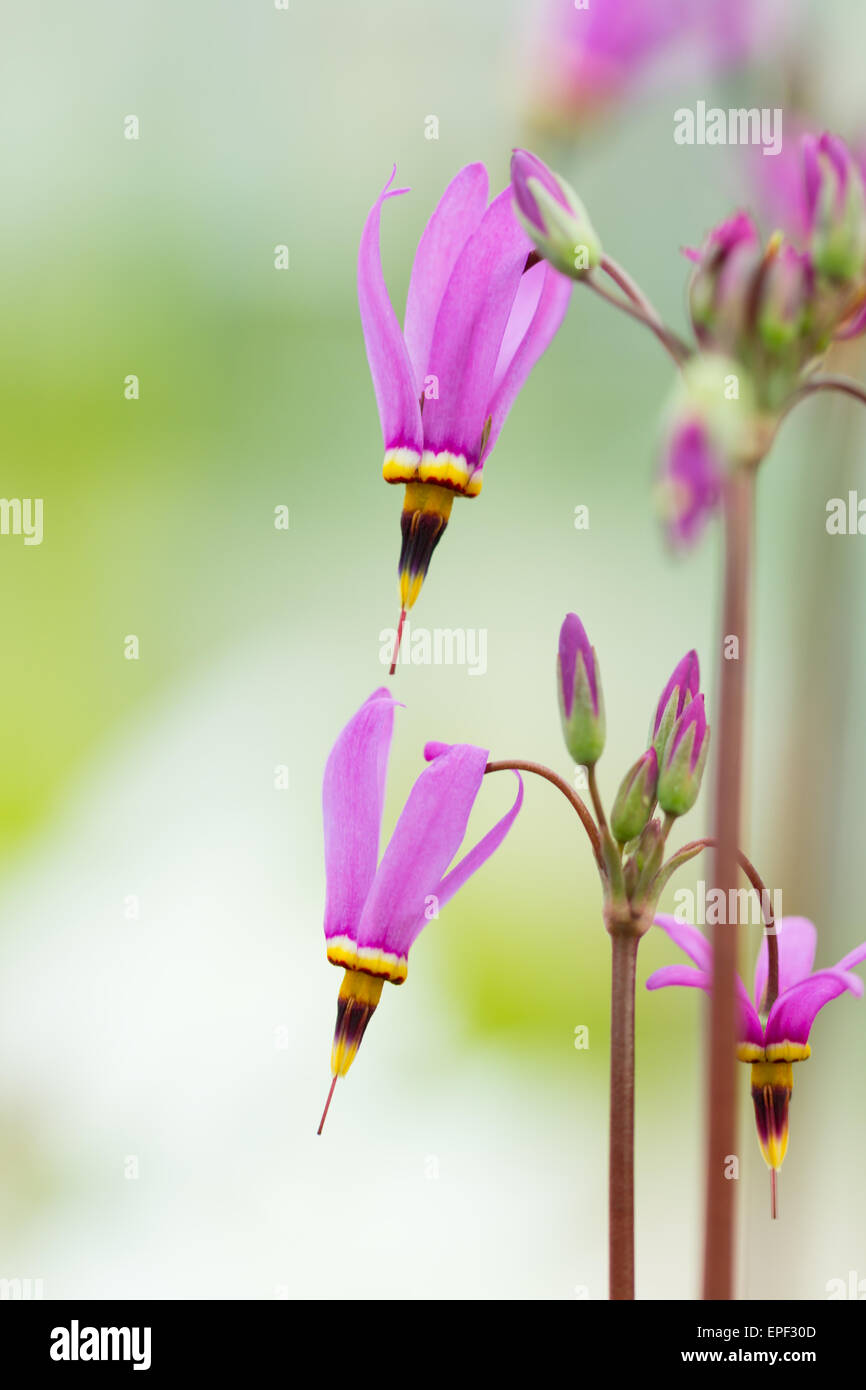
<point>667,776</point>
<point>776,307</point>
<point>764,315</point>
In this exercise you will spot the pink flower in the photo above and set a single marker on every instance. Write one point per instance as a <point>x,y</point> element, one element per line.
<point>477,320</point>
<point>374,908</point>
<point>690,482</point>
<point>772,1046</point>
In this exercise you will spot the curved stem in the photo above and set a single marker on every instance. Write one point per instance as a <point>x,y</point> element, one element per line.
<point>568,792</point>
<point>621,277</point>
<point>845,384</point>
<point>674,346</point>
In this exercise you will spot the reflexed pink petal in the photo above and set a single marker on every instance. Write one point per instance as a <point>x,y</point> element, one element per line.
<point>471,862</point>
<point>426,838</point>
<point>853,957</point>
<point>352,799</point>
<point>523,311</point>
<point>456,217</point>
<point>750,1029</point>
<point>679,975</point>
<point>470,327</point>
<point>538,311</point>
<point>794,1012</point>
<point>390,367</point>
<point>797,939</point>
<point>695,945</point>
<point>689,939</point>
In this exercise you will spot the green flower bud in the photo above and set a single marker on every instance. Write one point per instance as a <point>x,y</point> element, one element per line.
<point>553,216</point>
<point>635,799</point>
<point>580,699</point>
<point>684,761</point>
<point>836,206</point>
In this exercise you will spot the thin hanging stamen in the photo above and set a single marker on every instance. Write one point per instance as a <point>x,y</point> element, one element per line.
<point>397,641</point>
<point>327,1103</point>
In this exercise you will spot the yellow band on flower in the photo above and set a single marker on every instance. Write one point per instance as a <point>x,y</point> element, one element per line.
<point>444,469</point>
<point>775,1052</point>
<point>367,960</point>
<point>788,1052</point>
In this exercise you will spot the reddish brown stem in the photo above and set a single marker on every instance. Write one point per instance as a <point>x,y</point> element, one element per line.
<point>621,1155</point>
<point>720,1208</point>
<point>845,384</point>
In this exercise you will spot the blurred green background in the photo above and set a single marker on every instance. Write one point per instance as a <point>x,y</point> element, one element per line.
<point>165,1005</point>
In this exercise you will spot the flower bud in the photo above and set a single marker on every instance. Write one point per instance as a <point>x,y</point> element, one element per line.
<point>650,850</point>
<point>647,859</point>
<point>635,799</point>
<point>836,208</point>
<point>684,760</point>
<point>580,698</point>
<point>683,685</point>
<point>720,291</point>
<point>787,287</point>
<point>553,216</point>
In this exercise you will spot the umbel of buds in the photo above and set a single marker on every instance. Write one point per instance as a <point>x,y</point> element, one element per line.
<point>630,843</point>
<point>757,304</point>
<point>776,307</point>
<point>553,216</point>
